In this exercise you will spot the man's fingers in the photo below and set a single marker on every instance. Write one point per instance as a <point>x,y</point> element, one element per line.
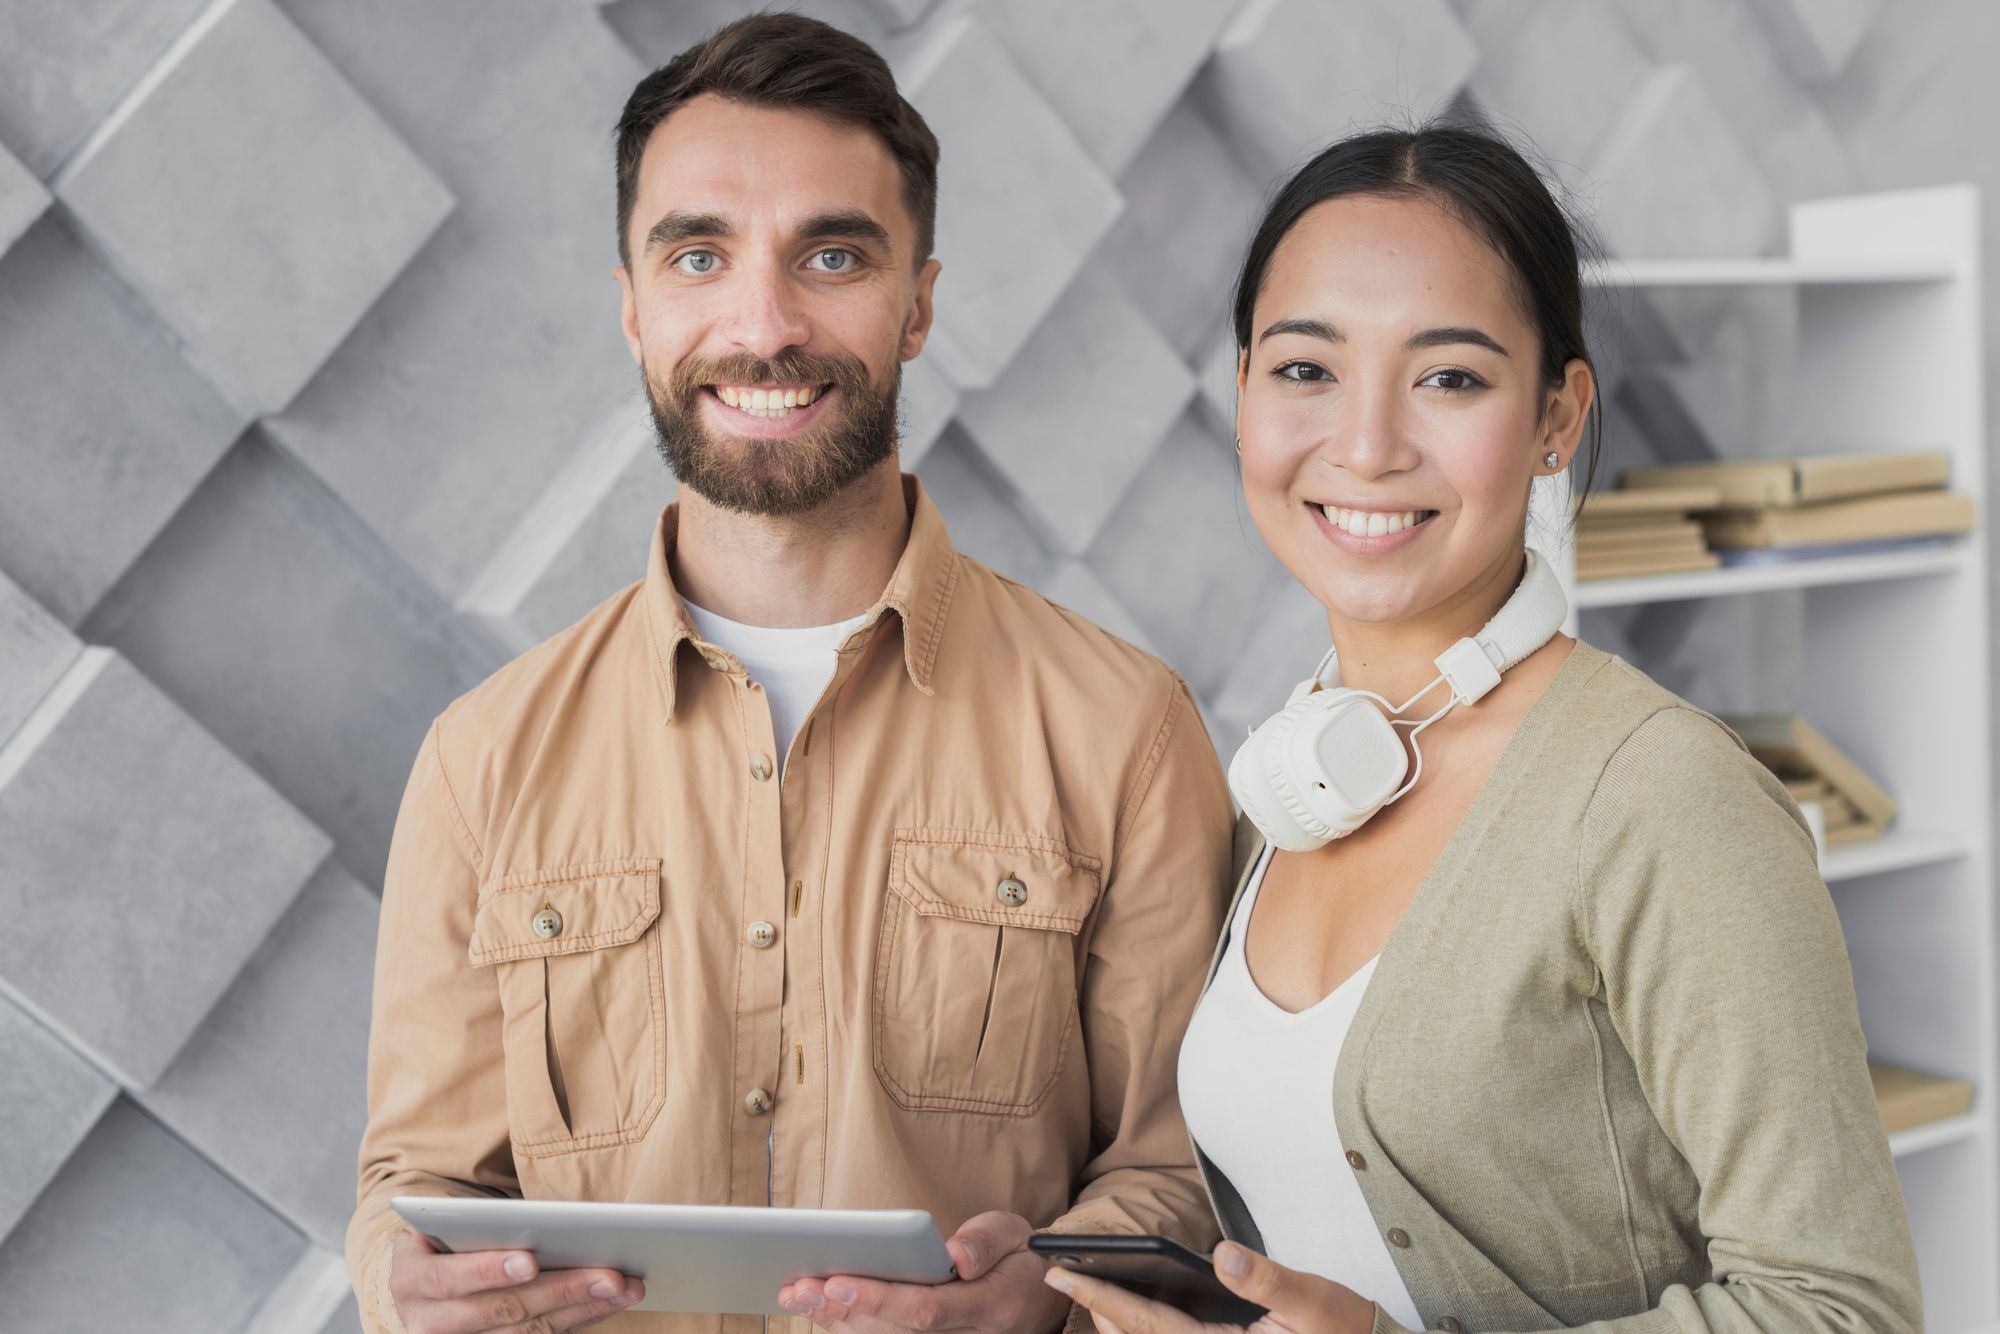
<point>520,1305</point>
<point>586,1313</point>
<point>904,1305</point>
<point>1122,1308</point>
<point>985,1240</point>
<point>421,1271</point>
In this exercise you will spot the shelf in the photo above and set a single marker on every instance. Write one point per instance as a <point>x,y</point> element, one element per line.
<point>1775,272</point>
<point>1906,563</point>
<point>1895,850</point>
<point>1948,1131</point>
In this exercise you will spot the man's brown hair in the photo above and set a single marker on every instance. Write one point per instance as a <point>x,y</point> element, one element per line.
<point>785,60</point>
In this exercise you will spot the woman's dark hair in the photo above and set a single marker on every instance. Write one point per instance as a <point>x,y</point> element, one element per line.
<point>777,59</point>
<point>1488,185</point>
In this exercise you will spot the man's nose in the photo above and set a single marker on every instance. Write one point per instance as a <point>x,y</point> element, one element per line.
<point>767,315</point>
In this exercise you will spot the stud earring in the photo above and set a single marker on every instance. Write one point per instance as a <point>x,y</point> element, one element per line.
<point>1552,459</point>
<point>1239,444</point>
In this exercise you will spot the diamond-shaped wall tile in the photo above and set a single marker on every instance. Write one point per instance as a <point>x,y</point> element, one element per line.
<point>168,859</point>
<point>1180,552</point>
<point>1815,38</point>
<point>1552,68</point>
<point>929,401</point>
<point>254,199</point>
<point>138,1232</point>
<point>63,66</point>
<point>35,650</point>
<point>587,537</point>
<point>1189,211</point>
<point>283,627</point>
<point>270,1087</point>
<point>980,509</point>
<point>1287,640</point>
<point>1110,68</point>
<point>22,198</point>
<point>1075,417</point>
<point>1020,203</point>
<point>467,384</point>
<point>52,1096</point>
<point>105,428</point>
<point>1290,76</point>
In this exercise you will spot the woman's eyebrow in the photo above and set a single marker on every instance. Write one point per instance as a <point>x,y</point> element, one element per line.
<point>1440,337</point>
<point>1453,334</point>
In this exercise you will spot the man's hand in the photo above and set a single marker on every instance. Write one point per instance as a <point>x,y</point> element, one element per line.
<point>1294,1303</point>
<point>441,1293</point>
<point>999,1288</point>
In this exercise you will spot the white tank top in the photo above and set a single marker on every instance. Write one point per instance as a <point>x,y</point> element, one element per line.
<point>1256,1085</point>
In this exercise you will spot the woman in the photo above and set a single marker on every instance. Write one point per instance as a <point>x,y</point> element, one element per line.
<point>1564,1032</point>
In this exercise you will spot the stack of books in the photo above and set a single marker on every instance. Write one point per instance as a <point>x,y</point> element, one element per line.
<point>1853,807</point>
<point>1907,1099</point>
<point>1625,533</point>
<point>1808,506</point>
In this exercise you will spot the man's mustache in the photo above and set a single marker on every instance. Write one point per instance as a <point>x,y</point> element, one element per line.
<point>788,367</point>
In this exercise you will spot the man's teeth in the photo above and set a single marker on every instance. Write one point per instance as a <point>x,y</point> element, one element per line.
<point>766,402</point>
<point>1372,523</point>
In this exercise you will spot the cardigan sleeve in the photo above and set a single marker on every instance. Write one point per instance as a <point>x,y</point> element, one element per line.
<point>1720,958</point>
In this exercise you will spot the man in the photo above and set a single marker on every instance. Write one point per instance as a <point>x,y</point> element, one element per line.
<point>907,907</point>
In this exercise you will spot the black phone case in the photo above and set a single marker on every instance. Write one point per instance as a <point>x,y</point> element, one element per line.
<point>1156,1268</point>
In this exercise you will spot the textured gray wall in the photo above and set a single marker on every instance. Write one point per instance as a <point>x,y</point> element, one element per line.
<point>313,410</point>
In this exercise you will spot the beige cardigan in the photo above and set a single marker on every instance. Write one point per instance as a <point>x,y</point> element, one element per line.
<point>1609,1067</point>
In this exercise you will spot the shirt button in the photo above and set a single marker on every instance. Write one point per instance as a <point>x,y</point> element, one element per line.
<point>756,1102</point>
<point>760,767</point>
<point>548,923</point>
<point>761,934</point>
<point>1356,1161</point>
<point>1398,1237</point>
<point>1450,1326</point>
<point>1012,892</point>
<point>715,660</point>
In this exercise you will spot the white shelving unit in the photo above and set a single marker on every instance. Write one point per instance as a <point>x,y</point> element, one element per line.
<point>1898,672</point>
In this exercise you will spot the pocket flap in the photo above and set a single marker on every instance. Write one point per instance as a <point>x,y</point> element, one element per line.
<point>965,874</point>
<point>595,904</point>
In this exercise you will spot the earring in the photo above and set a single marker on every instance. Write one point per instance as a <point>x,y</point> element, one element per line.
<point>1552,460</point>
<point>1239,444</point>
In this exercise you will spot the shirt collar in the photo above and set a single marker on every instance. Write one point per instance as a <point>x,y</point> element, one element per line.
<point>919,592</point>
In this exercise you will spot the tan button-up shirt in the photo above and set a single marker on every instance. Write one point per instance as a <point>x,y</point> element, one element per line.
<point>942,958</point>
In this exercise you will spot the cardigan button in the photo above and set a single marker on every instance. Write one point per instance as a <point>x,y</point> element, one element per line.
<point>1398,1237</point>
<point>1356,1161</point>
<point>1450,1326</point>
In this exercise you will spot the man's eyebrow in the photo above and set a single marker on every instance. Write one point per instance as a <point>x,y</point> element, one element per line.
<point>680,226</point>
<point>844,224</point>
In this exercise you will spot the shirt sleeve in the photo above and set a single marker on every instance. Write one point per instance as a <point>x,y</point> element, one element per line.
<point>1154,929</point>
<point>437,1122</point>
<point>1721,961</point>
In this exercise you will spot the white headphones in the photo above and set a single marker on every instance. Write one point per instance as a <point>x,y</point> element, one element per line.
<point>1319,769</point>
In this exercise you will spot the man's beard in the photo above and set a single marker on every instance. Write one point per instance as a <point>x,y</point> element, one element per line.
<point>775,476</point>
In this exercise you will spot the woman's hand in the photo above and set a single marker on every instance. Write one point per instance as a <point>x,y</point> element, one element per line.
<point>1296,1303</point>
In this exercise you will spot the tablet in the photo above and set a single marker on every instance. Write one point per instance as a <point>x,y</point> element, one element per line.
<point>714,1259</point>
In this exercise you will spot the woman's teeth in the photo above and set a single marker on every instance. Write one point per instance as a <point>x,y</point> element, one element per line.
<point>1373,523</point>
<point>766,402</point>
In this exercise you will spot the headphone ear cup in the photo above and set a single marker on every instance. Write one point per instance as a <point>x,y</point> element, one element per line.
<point>1262,786</point>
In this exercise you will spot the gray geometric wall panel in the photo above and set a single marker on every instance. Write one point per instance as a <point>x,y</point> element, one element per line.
<point>314,410</point>
<point>254,199</point>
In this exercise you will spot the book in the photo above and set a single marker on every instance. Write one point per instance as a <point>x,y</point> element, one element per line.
<point>1907,1099</point>
<point>1902,514</point>
<point>1589,545</point>
<point>1675,500</point>
<point>1628,566</point>
<point>1856,807</point>
<point>1791,482</point>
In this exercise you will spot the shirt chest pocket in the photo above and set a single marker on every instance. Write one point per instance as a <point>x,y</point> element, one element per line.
<point>577,963</point>
<point>976,969</point>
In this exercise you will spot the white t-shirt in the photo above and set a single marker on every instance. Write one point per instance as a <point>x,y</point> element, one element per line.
<point>1256,1084</point>
<point>792,664</point>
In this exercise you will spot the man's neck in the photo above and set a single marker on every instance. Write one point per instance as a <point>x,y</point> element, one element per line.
<point>825,565</point>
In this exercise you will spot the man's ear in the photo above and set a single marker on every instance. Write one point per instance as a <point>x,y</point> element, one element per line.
<point>918,327</point>
<point>628,313</point>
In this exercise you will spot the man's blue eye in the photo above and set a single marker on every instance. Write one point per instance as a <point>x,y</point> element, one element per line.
<point>836,260</point>
<point>699,261</point>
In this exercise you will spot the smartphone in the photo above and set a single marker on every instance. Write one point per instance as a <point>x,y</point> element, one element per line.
<point>1159,1269</point>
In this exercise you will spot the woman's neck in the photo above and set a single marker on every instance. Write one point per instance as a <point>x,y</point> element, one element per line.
<point>1397,659</point>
